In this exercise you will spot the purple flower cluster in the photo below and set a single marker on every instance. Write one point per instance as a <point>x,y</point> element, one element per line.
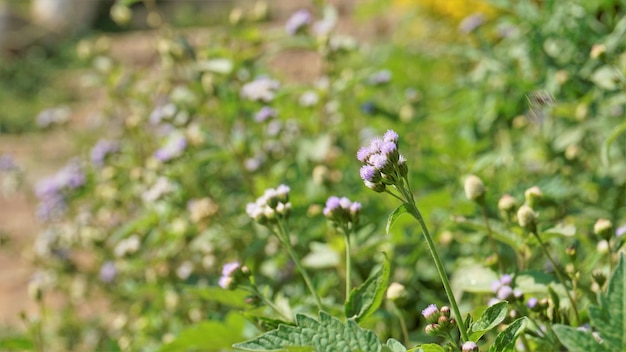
<point>52,191</point>
<point>380,77</point>
<point>383,165</point>
<point>298,21</point>
<point>103,148</point>
<point>108,272</point>
<point>265,114</point>
<point>271,206</point>
<point>228,274</point>
<point>173,148</point>
<point>342,210</point>
<point>503,290</point>
<point>439,321</point>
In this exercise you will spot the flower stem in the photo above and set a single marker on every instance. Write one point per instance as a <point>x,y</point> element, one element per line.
<point>254,290</point>
<point>284,238</point>
<point>346,233</point>
<point>405,331</point>
<point>494,247</point>
<point>559,276</point>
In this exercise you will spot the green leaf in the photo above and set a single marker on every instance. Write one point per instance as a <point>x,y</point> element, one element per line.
<point>560,230</point>
<point>431,347</point>
<point>328,334</point>
<point>577,340</point>
<point>394,216</point>
<point>498,229</point>
<point>491,317</point>
<point>619,129</point>
<point>395,346</point>
<point>365,299</point>
<point>17,343</point>
<point>216,335</point>
<point>505,341</point>
<point>472,277</point>
<point>608,317</point>
<point>231,298</point>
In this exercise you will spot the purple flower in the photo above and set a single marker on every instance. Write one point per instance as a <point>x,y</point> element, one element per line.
<point>7,163</point>
<point>297,21</point>
<point>620,231</point>
<point>108,271</point>
<point>173,148</point>
<point>363,154</point>
<point>504,292</point>
<point>103,148</point>
<point>378,161</point>
<point>332,203</point>
<point>264,114</point>
<point>532,302</point>
<point>380,77</point>
<point>228,271</point>
<point>390,136</point>
<point>388,148</point>
<point>375,145</point>
<point>368,173</point>
<point>506,279</point>
<point>469,346</point>
<point>51,207</point>
<point>430,312</point>
<point>471,22</point>
<point>355,208</point>
<point>345,203</point>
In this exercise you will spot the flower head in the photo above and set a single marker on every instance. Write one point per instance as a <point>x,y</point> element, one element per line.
<point>341,210</point>
<point>271,206</point>
<point>173,148</point>
<point>261,89</point>
<point>469,346</point>
<point>265,114</point>
<point>474,188</point>
<point>431,313</point>
<point>228,274</point>
<point>103,148</point>
<point>298,21</point>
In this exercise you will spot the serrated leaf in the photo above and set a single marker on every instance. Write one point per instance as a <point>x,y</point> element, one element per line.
<point>365,299</point>
<point>577,340</point>
<point>608,317</point>
<point>490,318</point>
<point>431,347</point>
<point>395,346</point>
<point>328,334</point>
<point>394,216</point>
<point>505,341</point>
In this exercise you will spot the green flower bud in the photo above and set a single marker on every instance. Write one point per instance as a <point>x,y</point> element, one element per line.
<point>506,203</point>
<point>532,196</point>
<point>527,218</point>
<point>474,189</point>
<point>603,228</point>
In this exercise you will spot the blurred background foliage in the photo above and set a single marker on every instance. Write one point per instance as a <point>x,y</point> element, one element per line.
<point>521,93</point>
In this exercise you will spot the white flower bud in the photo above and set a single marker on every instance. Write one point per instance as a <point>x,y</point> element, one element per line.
<point>474,188</point>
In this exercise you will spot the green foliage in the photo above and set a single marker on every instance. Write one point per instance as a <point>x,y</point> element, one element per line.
<point>209,335</point>
<point>393,217</point>
<point>365,299</point>
<point>505,341</point>
<point>327,334</point>
<point>607,319</point>
<point>490,319</point>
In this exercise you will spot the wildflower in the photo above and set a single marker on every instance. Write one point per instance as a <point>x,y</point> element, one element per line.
<point>533,195</point>
<point>299,20</point>
<point>532,303</point>
<point>469,346</point>
<point>52,191</point>
<point>602,228</point>
<point>271,206</point>
<point>162,112</point>
<point>100,151</point>
<point>396,291</point>
<point>228,275</point>
<point>506,203</point>
<point>53,116</point>
<point>527,218</point>
<point>108,272</point>
<point>380,77</point>
<point>308,99</point>
<point>161,187</point>
<point>620,231</point>
<point>383,165</point>
<point>261,89</point>
<point>474,189</point>
<point>342,210</point>
<point>173,148</point>
<point>471,22</point>
<point>431,313</point>
<point>265,114</point>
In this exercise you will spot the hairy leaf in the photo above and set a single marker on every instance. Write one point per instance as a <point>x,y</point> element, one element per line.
<point>505,341</point>
<point>394,216</point>
<point>365,299</point>
<point>328,334</point>
<point>577,340</point>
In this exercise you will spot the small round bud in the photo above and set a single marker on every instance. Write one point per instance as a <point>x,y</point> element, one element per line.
<point>527,218</point>
<point>506,203</point>
<point>469,346</point>
<point>403,168</point>
<point>431,329</point>
<point>443,321</point>
<point>474,188</point>
<point>376,187</point>
<point>603,247</point>
<point>533,195</point>
<point>532,303</point>
<point>445,311</point>
<point>396,291</point>
<point>602,228</point>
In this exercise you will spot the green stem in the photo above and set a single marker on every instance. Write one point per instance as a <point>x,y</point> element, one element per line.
<point>412,209</point>
<point>494,247</point>
<point>346,233</point>
<point>254,290</point>
<point>559,276</point>
<point>284,238</point>
<point>405,331</point>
